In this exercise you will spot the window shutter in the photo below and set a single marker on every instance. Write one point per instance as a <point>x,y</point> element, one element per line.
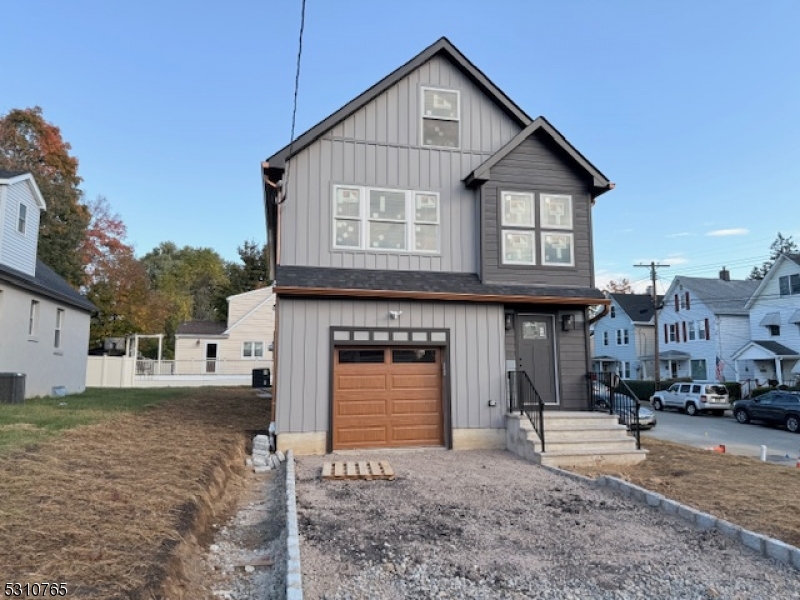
<point>708,331</point>
<point>687,300</point>
<point>685,337</point>
<point>678,333</point>
<point>677,304</point>
<point>666,333</point>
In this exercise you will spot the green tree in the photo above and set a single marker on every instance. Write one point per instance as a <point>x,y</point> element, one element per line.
<point>251,274</point>
<point>29,143</point>
<point>781,245</point>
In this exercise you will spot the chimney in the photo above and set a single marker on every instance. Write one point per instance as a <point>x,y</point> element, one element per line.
<point>725,275</point>
<point>649,290</point>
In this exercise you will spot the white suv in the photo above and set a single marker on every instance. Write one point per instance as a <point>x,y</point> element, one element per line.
<point>694,398</point>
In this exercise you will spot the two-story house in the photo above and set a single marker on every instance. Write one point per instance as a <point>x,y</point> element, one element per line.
<point>773,350</point>
<point>625,335</point>
<point>702,323</point>
<point>44,323</point>
<point>429,237</point>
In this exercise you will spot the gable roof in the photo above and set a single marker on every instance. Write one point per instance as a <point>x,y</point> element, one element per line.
<point>764,348</point>
<point>720,296</point>
<point>794,257</point>
<point>638,307</point>
<point>247,315</point>
<point>46,283</point>
<point>8,177</point>
<point>483,172</point>
<point>442,47</point>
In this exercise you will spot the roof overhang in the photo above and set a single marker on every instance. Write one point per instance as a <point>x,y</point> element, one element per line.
<point>31,182</point>
<point>755,351</point>
<point>773,318</point>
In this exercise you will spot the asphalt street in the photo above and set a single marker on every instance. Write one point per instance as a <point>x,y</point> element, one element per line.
<point>706,431</point>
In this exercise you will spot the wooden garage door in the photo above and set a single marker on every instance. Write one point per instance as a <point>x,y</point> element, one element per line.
<point>387,397</point>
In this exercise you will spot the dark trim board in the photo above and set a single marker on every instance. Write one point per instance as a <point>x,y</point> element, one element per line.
<point>372,342</point>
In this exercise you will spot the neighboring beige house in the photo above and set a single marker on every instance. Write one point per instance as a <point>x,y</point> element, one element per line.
<point>44,323</point>
<point>244,344</point>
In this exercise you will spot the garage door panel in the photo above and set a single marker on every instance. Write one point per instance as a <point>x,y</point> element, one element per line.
<point>361,408</point>
<point>356,437</point>
<point>361,382</point>
<point>416,381</point>
<point>419,434</point>
<point>416,407</point>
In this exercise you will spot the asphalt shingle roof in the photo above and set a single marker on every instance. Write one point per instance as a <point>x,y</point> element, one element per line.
<point>722,297</point>
<point>639,307</point>
<point>417,281</point>
<point>776,348</point>
<point>47,283</point>
<point>201,328</point>
<point>8,174</point>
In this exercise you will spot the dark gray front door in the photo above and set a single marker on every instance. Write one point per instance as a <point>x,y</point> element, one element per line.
<point>536,352</point>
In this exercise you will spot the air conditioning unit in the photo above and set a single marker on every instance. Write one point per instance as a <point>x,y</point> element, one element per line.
<point>12,388</point>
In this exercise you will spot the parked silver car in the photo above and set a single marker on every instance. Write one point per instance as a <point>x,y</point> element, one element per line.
<point>623,406</point>
<point>694,398</point>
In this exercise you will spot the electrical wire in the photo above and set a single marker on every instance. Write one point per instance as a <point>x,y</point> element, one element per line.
<point>282,195</point>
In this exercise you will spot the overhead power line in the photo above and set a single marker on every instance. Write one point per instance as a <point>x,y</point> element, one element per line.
<point>294,104</point>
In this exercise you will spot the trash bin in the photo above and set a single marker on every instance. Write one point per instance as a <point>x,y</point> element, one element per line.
<point>261,378</point>
<point>12,388</point>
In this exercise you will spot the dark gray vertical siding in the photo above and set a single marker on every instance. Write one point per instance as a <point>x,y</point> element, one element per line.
<point>572,367</point>
<point>477,356</point>
<point>537,165</point>
<point>379,145</point>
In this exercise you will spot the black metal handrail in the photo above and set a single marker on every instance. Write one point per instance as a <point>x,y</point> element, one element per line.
<point>524,398</point>
<point>609,393</point>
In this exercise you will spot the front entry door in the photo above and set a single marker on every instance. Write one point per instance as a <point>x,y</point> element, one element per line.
<point>536,354</point>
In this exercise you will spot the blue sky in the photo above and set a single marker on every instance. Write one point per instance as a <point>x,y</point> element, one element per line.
<point>691,108</point>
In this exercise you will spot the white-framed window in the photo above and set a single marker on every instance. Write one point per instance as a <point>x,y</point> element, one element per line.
<point>22,218</point>
<point>622,337</point>
<point>692,330</point>
<point>613,312</point>
<point>556,211</point>
<point>519,247</point>
<point>789,284</point>
<point>519,244</point>
<point>774,330</point>
<point>517,209</point>
<point>625,370</point>
<point>701,330</point>
<point>385,219</point>
<point>605,338</point>
<point>33,318</point>
<point>441,118</point>
<point>253,350</point>
<point>59,327</point>
<point>557,249</point>
<point>673,331</point>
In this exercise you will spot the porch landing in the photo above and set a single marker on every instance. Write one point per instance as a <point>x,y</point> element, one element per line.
<point>573,439</point>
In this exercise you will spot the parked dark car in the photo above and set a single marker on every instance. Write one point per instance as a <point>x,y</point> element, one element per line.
<point>777,407</point>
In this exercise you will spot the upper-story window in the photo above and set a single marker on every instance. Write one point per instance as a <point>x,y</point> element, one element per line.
<point>622,337</point>
<point>613,313</point>
<point>441,115</point>
<point>605,338</point>
<point>774,330</point>
<point>789,284</point>
<point>22,218</point>
<point>519,233</point>
<point>59,326</point>
<point>385,219</point>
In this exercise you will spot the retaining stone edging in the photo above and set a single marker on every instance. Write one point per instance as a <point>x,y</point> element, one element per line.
<point>770,547</point>
<point>294,576</point>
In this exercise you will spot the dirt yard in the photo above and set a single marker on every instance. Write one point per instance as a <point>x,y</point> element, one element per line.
<point>756,495</point>
<point>125,508</point>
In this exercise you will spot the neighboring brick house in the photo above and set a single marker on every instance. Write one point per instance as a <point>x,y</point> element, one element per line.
<point>624,336</point>
<point>773,350</point>
<point>43,320</point>
<point>702,323</point>
<point>428,237</point>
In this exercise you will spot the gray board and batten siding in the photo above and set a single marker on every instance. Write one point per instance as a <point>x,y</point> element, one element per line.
<point>476,355</point>
<point>379,146</point>
<point>537,165</point>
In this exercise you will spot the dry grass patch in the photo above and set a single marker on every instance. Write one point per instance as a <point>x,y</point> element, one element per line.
<point>756,495</point>
<point>106,507</point>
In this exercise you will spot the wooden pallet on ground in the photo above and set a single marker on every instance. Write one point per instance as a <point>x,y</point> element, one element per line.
<point>372,469</point>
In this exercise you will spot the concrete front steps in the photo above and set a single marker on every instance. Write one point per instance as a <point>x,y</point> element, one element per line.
<point>573,439</point>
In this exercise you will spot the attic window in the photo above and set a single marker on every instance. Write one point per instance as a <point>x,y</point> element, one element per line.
<point>441,113</point>
<point>23,218</point>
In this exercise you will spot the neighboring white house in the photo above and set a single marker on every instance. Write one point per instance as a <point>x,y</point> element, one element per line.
<point>772,351</point>
<point>237,348</point>
<point>702,323</point>
<point>624,336</point>
<point>44,323</point>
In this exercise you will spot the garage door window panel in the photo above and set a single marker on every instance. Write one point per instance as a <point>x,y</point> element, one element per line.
<point>362,356</point>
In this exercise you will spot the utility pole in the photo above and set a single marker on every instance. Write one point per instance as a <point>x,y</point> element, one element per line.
<point>656,362</point>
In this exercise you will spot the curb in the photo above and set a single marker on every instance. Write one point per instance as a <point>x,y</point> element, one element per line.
<point>766,546</point>
<point>294,576</point>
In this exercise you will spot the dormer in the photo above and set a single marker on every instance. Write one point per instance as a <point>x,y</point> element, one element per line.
<point>21,203</point>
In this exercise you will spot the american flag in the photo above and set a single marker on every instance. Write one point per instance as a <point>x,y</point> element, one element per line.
<point>720,368</point>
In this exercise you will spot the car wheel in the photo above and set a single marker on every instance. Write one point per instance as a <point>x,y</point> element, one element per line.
<point>657,404</point>
<point>793,423</point>
<point>691,409</point>
<point>741,415</point>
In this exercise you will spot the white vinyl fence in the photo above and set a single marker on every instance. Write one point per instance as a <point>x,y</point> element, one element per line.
<point>126,372</point>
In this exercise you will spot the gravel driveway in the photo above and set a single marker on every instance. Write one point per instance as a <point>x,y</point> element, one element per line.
<point>486,524</point>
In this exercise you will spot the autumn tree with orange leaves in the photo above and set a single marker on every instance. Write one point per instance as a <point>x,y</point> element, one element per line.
<point>29,143</point>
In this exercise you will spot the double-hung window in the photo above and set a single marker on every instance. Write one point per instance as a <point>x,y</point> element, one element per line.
<point>252,349</point>
<point>550,243</point>
<point>382,219</point>
<point>557,246</point>
<point>441,116</point>
<point>789,284</point>
<point>518,234</point>
<point>22,218</point>
<point>33,319</point>
<point>622,337</point>
<point>59,326</point>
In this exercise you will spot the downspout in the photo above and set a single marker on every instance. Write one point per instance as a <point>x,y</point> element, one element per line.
<point>601,314</point>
